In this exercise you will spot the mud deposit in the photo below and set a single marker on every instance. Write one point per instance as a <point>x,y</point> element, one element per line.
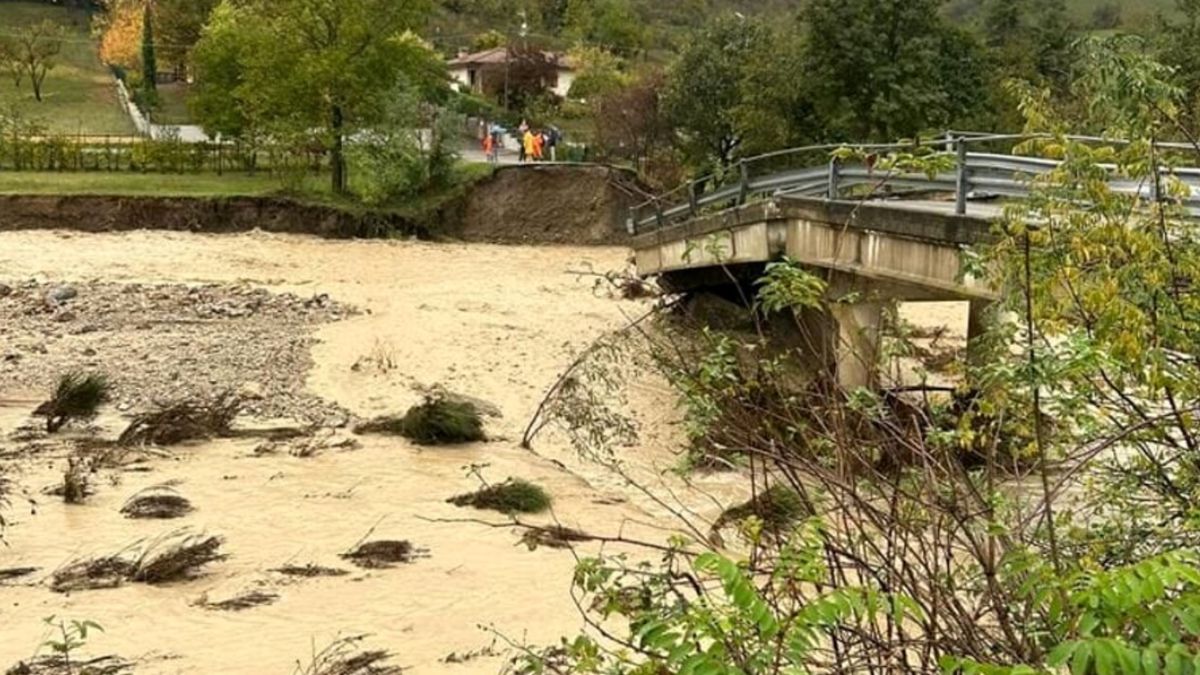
<point>167,342</point>
<point>312,325</point>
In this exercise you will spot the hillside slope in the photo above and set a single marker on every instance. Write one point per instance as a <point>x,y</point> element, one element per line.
<point>80,94</point>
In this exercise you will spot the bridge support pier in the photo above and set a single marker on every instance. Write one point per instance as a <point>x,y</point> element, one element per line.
<point>857,343</point>
<point>979,318</point>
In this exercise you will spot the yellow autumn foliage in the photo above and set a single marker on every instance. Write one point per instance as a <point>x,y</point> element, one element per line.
<point>121,40</point>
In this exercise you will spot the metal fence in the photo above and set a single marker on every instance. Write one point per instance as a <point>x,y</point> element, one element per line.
<point>979,171</point>
<point>71,153</point>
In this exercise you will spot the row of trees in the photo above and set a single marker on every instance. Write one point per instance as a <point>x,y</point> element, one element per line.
<point>855,69</point>
<point>862,70</point>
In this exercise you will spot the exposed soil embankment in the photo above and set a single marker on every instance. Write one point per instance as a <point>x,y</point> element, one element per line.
<point>547,204</point>
<point>95,213</point>
<point>528,204</point>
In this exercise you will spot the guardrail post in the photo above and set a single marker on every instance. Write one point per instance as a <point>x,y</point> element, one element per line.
<point>631,220</point>
<point>658,213</point>
<point>692,199</point>
<point>744,193</point>
<point>834,175</point>
<point>963,184</point>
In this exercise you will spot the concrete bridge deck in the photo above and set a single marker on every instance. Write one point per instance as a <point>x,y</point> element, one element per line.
<point>876,251</point>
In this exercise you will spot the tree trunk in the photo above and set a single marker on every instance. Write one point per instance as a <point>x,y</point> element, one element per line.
<point>337,156</point>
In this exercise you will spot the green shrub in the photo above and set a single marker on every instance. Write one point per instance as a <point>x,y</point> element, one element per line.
<point>77,396</point>
<point>512,496</point>
<point>436,421</point>
<point>779,507</point>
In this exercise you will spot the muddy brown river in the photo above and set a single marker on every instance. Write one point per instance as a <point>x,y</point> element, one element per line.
<point>497,323</point>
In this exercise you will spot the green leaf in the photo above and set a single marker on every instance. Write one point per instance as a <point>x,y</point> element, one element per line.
<point>1061,654</point>
<point>1150,662</point>
<point>1081,659</point>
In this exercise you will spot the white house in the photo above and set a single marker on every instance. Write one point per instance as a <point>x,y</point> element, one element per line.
<point>470,70</point>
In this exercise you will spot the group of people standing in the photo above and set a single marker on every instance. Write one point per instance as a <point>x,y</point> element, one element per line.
<point>535,145</point>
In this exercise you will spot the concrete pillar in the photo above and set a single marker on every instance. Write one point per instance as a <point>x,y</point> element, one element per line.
<point>857,348</point>
<point>978,320</point>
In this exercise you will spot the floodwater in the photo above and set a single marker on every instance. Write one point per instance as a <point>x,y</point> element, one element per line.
<point>497,323</point>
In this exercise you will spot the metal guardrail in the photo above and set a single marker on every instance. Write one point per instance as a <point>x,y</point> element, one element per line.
<point>975,175</point>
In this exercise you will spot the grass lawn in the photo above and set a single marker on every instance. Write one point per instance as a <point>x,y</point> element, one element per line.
<point>315,189</point>
<point>130,183</point>
<point>80,93</point>
<point>172,104</point>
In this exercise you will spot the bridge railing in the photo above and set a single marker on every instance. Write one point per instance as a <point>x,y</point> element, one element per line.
<point>812,171</point>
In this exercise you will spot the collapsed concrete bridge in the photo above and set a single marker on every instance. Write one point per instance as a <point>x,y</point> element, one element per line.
<point>873,253</point>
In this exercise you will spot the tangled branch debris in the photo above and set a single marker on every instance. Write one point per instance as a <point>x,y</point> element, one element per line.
<point>15,573</point>
<point>555,536</point>
<point>58,665</point>
<point>158,501</point>
<point>345,657</point>
<point>242,601</point>
<point>183,421</point>
<point>310,571</point>
<point>174,556</point>
<point>383,554</point>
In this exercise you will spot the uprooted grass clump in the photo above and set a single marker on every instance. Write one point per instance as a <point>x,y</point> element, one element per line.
<point>512,496</point>
<point>173,557</point>
<point>78,396</point>
<point>778,507</point>
<point>184,421</point>
<point>157,502</point>
<point>383,553</point>
<point>438,420</point>
<point>345,657</point>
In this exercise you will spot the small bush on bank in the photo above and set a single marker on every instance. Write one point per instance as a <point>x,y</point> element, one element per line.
<point>779,508</point>
<point>77,397</point>
<point>436,421</point>
<point>512,496</point>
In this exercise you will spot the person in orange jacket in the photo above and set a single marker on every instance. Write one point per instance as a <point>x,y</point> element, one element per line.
<point>538,145</point>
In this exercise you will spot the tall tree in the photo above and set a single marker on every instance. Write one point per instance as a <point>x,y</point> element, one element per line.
<point>179,25</point>
<point>704,89</point>
<point>31,53</point>
<point>879,68</point>
<point>149,58</point>
<point>1180,40</point>
<point>293,66</point>
<point>122,33</point>
<point>611,24</point>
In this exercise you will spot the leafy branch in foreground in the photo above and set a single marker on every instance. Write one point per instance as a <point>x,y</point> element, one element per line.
<point>1043,521</point>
